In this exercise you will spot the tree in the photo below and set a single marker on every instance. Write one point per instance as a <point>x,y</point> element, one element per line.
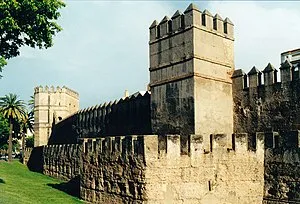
<point>26,123</point>
<point>13,109</point>
<point>30,141</point>
<point>4,131</point>
<point>27,22</point>
<point>31,104</point>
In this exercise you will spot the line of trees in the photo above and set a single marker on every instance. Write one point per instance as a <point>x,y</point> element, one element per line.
<point>15,121</point>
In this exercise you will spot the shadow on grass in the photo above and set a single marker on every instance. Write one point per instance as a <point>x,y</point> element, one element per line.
<point>2,181</point>
<point>71,187</point>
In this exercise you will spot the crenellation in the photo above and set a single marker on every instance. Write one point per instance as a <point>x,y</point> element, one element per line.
<point>164,26</point>
<point>218,23</point>
<point>271,140</point>
<point>240,142</point>
<point>192,16</point>
<point>228,28</point>
<point>176,21</point>
<point>286,69</point>
<point>207,19</point>
<point>218,142</point>
<point>270,75</point>
<point>238,80</point>
<point>254,77</point>
<point>58,89</point>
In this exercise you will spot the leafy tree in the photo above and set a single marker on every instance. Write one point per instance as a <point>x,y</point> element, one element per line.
<point>13,109</point>
<point>27,22</point>
<point>4,131</point>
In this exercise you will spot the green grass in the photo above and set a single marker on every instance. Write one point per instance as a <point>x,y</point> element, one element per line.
<point>19,185</point>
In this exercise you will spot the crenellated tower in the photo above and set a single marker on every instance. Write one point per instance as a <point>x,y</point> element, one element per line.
<point>191,63</point>
<point>50,106</point>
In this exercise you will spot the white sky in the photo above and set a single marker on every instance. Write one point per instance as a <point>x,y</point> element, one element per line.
<point>103,48</point>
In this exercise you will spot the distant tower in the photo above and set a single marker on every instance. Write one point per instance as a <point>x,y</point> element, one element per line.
<point>50,106</point>
<point>191,63</point>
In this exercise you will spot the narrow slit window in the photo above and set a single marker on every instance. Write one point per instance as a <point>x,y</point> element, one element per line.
<point>225,28</point>
<point>211,143</point>
<point>203,18</point>
<point>245,81</point>
<point>158,32</point>
<point>182,21</point>
<point>215,24</point>
<point>170,27</point>
<point>233,142</point>
<point>259,79</point>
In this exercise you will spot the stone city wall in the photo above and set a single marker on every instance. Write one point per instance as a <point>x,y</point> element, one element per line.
<point>62,161</point>
<point>282,169</point>
<point>129,115</point>
<point>151,168</point>
<point>113,170</point>
<point>228,170</point>
<point>265,104</point>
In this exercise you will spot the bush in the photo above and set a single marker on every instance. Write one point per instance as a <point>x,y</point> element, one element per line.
<point>29,141</point>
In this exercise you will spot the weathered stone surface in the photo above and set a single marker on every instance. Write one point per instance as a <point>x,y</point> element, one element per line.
<point>50,106</point>
<point>197,101</point>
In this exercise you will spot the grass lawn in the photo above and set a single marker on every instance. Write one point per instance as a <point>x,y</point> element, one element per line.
<point>19,185</point>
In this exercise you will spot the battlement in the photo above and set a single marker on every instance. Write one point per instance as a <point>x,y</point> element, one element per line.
<point>62,161</point>
<point>128,115</point>
<point>58,89</point>
<point>156,147</point>
<point>192,17</point>
<point>253,79</point>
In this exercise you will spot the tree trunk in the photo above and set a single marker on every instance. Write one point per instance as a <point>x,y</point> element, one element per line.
<point>10,141</point>
<point>23,145</point>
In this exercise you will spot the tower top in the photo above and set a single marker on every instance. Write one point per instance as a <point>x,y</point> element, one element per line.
<point>58,89</point>
<point>192,17</point>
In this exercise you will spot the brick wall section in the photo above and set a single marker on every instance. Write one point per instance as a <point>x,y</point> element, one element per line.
<point>282,169</point>
<point>62,161</point>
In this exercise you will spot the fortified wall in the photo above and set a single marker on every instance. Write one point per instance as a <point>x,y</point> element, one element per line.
<point>282,169</point>
<point>265,104</point>
<point>50,106</point>
<point>138,168</point>
<point>129,115</point>
<point>191,62</point>
<point>205,133</point>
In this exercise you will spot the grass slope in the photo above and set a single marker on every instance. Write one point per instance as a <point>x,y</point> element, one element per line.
<point>19,185</point>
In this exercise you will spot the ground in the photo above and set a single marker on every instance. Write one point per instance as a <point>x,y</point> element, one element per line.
<point>19,185</point>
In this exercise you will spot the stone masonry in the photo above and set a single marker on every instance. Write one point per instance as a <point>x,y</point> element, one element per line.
<point>50,106</point>
<point>204,133</point>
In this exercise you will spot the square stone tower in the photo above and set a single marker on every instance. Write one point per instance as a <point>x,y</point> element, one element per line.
<point>51,106</point>
<point>191,63</point>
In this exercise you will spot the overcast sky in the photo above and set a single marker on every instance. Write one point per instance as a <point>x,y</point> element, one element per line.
<point>103,48</point>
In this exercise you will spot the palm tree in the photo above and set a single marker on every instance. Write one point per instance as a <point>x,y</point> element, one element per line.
<point>13,109</point>
<point>26,123</point>
<point>31,104</point>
